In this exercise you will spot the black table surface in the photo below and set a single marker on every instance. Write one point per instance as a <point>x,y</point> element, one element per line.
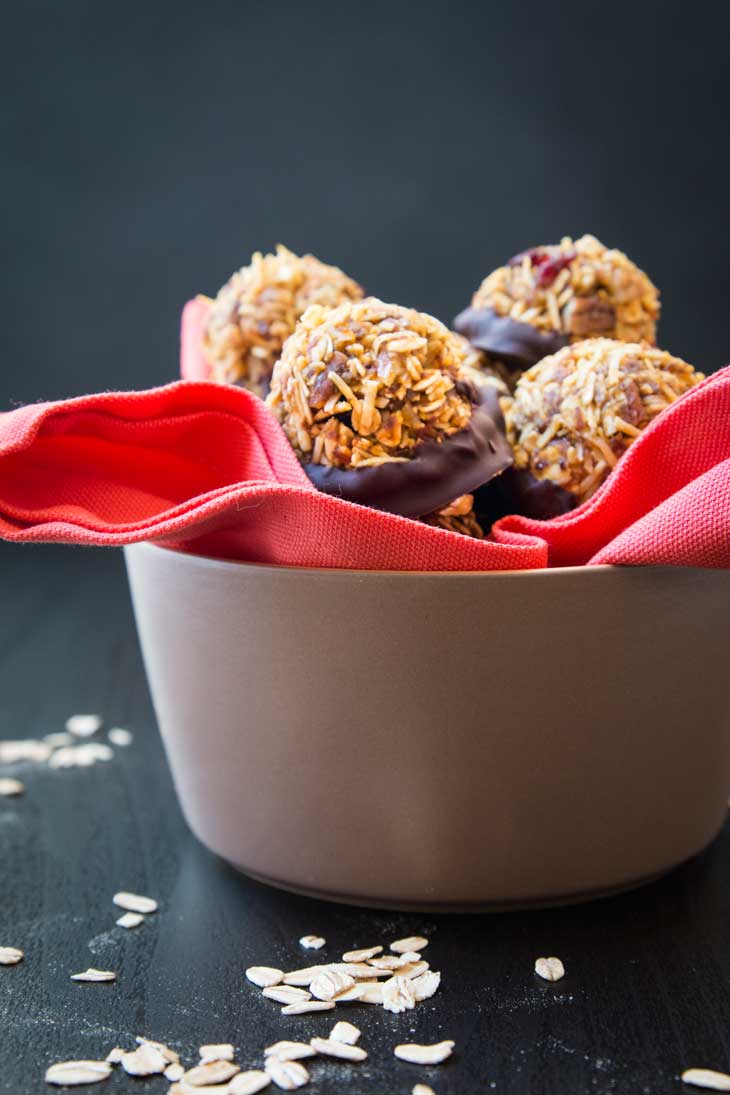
<point>646,992</point>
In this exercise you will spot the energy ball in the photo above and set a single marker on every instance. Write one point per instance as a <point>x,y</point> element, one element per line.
<point>258,308</point>
<point>576,412</point>
<point>378,406</point>
<point>551,296</point>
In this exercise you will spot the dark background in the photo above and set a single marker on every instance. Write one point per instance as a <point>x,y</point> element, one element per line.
<point>148,149</point>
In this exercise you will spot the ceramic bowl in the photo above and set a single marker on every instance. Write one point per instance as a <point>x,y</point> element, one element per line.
<point>441,741</point>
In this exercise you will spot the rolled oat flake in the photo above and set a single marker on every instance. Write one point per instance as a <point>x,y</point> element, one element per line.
<point>707,1078</point>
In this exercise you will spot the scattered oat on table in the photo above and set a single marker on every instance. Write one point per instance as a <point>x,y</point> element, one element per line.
<point>398,995</point>
<point>345,1032</point>
<point>550,969</point>
<point>11,787</point>
<point>119,736</point>
<point>58,740</point>
<point>304,976</point>
<point>332,1048</point>
<point>135,902</point>
<point>411,970</point>
<point>73,1073</point>
<point>212,1072</point>
<point>312,942</point>
<point>130,920</point>
<point>145,1060</point>
<point>264,977</point>
<point>12,752</point>
<point>706,1077</point>
<point>94,975</point>
<point>83,726</point>
<point>174,1072</point>
<point>167,1053</point>
<point>330,983</point>
<point>248,1083</point>
<point>423,1089</point>
<point>286,994</point>
<point>308,1005</point>
<point>80,756</point>
<point>426,985</point>
<point>287,1075</point>
<point>410,943</point>
<point>289,1051</point>
<point>115,1055</point>
<point>222,1051</point>
<point>361,955</point>
<point>10,956</point>
<point>371,994</point>
<point>424,1055</point>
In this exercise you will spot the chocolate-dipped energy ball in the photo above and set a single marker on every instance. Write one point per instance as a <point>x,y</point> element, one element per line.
<point>258,308</point>
<point>550,296</point>
<point>380,411</point>
<point>576,412</point>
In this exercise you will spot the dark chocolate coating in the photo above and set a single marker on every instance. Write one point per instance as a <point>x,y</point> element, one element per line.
<point>519,345</point>
<point>518,491</point>
<point>439,472</point>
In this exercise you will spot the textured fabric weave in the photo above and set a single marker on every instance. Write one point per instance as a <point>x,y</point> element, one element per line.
<point>206,468</point>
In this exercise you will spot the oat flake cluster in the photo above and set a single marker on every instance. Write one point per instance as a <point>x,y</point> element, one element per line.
<point>577,288</point>
<point>576,412</point>
<point>258,308</point>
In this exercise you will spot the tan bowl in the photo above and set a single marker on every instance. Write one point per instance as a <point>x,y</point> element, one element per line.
<point>442,741</point>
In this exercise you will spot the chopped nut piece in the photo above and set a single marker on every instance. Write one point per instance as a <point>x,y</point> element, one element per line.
<point>212,1072</point>
<point>551,969</point>
<point>398,995</point>
<point>10,787</point>
<point>289,1051</point>
<point>361,955</point>
<point>312,942</point>
<point>344,1032</point>
<point>173,1072</point>
<point>10,956</point>
<point>83,726</point>
<point>426,985</point>
<point>223,1051</point>
<point>307,1006</point>
<point>146,1060</point>
<point>94,975</point>
<point>135,902</point>
<point>287,1075</point>
<point>72,1073</point>
<point>130,920</point>
<point>249,1083</point>
<point>330,983</point>
<point>333,1048</point>
<point>286,994</point>
<point>119,736</point>
<point>411,943</point>
<point>706,1077</point>
<point>424,1055</point>
<point>264,976</point>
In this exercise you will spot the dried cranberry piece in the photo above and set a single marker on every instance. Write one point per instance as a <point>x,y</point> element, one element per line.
<point>550,270</point>
<point>536,255</point>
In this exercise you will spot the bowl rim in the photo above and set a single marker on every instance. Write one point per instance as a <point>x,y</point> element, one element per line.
<point>237,566</point>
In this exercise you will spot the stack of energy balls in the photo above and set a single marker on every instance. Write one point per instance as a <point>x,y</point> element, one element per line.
<point>526,407</point>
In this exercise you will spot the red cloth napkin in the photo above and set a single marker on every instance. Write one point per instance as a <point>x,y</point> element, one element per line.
<point>207,468</point>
